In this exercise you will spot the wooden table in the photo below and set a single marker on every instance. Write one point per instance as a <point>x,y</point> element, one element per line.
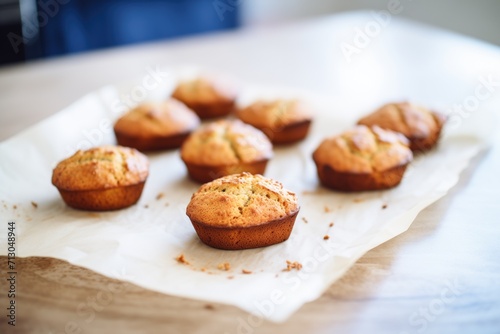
<point>441,276</point>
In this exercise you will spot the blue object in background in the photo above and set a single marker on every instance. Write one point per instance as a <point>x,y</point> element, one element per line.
<point>81,25</point>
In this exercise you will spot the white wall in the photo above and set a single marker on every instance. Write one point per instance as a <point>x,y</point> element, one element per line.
<point>480,19</point>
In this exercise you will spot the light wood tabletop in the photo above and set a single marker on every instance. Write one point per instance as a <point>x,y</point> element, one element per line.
<point>441,276</point>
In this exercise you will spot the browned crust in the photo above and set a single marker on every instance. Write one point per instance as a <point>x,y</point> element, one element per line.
<point>288,134</point>
<point>392,117</point>
<point>151,143</point>
<point>205,173</point>
<point>235,238</point>
<point>103,200</point>
<point>349,182</point>
<point>210,110</point>
<point>423,144</point>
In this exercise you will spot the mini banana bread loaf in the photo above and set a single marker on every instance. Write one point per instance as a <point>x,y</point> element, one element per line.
<point>283,121</point>
<point>156,126</point>
<point>243,211</point>
<point>102,178</point>
<point>420,125</point>
<point>208,97</point>
<point>362,158</point>
<point>225,147</point>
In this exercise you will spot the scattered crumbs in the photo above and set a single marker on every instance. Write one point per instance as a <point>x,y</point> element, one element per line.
<point>209,307</point>
<point>35,204</point>
<point>358,200</point>
<point>326,237</point>
<point>167,204</point>
<point>146,206</point>
<point>230,277</point>
<point>304,219</point>
<point>182,259</point>
<point>159,196</point>
<point>14,206</point>
<point>29,219</point>
<point>244,271</point>
<point>331,224</point>
<point>224,266</point>
<point>276,275</point>
<point>309,192</point>
<point>384,206</point>
<point>4,206</point>
<point>327,209</point>
<point>209,272</point>
<point>203,269</point>
<point>292,265</point>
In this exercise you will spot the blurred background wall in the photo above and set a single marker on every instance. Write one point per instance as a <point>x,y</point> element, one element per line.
<point>31,29</point>
<point>480,19</point>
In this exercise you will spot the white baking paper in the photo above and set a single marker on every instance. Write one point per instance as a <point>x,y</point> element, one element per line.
<point>140,244</point>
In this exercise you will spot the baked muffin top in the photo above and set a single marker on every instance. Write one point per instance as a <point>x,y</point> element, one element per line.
<point>226,142</point>
<point>204,90</point>
<point>165,118</point>
<point>241,200</point>
<point>407,118</point>
<point>364,150</point>
<point>101,168</point>
<point>275,114</point>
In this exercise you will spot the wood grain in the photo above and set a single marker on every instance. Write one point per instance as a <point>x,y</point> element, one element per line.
<point>441,276</point>
<point>377,294</point>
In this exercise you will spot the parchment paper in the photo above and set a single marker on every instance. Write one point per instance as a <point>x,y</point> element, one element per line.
<point>140,244</point>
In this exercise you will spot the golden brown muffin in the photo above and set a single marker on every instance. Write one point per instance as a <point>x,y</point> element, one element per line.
<point>225,147</point>
<point>283,121</point>
<point>243,211</point>
<point>208,97</point>
<point>420,125</point>
<point>156,126</point>
<point>102,178</point>
<point>362,159</point>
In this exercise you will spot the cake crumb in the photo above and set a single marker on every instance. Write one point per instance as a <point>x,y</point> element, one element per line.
<point>182,259</point>
<point>358,200</point>
<point>244,271</point>
<point>327,209</point>
<point>326,237</point>
<point>14,206</point>
<point>309,192</point>
<point>159,196</point>
<point>292,265</point>
<point>230,277</point>
<point>331,224</point>
<point>146,206</point>
<point>35,204</point>
<point>304,219</point>
<point>384,206</point>
<point>203,269</point>
<point>209,307</point>
<point>167,204</point>
<point>224,266</point>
